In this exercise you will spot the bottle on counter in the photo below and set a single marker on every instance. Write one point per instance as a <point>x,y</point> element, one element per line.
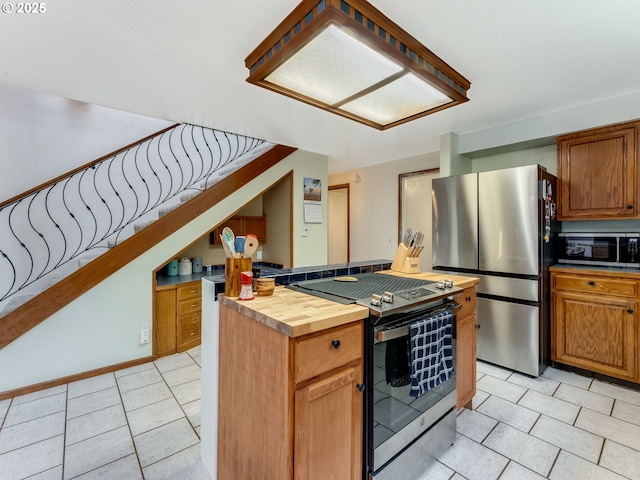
<point>246,291</point>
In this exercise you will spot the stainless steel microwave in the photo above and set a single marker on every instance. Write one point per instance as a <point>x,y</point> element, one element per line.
<point>603,249</point>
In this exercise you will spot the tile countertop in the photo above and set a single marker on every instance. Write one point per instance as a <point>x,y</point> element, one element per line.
<point>294,313</point>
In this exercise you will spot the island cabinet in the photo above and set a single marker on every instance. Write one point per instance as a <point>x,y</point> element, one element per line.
<point>290,407</point>
<point>595,322</point>
<point>466,349</point>
<point>598,173</point>
<point>178,318</point>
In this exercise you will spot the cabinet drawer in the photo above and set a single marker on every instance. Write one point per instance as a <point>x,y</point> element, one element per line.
<point>324,352</point>
<point>468,302</point>
<point>596,285</point>
<point>189,306</point>
<point>189,327</point>
<point>192,290</point>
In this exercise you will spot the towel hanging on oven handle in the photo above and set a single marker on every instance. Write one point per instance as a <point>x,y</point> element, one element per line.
<point>383,335</point>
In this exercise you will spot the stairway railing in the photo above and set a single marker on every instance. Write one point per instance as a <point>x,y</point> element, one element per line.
<point>51,232</point>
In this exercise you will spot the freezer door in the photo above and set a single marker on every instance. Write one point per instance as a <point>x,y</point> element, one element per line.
<point>509,335</point>
<point>509,232</point>
<point>455,221</point>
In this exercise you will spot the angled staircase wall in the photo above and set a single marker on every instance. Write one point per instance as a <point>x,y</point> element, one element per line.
<point>62,238</point>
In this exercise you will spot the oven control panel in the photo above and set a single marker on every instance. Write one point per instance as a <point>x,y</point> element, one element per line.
<point>390,302</point>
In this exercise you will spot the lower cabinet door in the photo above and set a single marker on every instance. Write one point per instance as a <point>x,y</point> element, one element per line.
<point>596,333</point>
<point>465,360</point>
<point>328,428</point>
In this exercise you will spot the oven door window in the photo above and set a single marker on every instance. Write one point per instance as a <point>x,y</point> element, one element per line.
<point>394,409</point>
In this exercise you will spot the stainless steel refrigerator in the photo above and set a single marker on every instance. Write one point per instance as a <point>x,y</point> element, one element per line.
<point>498,226</point>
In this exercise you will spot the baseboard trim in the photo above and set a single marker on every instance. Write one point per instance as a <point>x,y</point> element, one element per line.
<point>74,378</point>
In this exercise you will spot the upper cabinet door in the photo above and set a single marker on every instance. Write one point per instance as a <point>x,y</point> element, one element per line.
<point>455,221</point>
<point>598,174</point>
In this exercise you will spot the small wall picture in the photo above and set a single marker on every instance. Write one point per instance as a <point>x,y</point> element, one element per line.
<point>312,189</point>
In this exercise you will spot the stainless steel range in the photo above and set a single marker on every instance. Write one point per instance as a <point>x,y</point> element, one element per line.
<point>403,434</point>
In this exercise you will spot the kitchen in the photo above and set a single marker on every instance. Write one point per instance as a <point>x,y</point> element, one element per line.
<point>529,130</point>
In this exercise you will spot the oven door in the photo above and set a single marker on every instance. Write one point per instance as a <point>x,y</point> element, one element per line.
<point>395,420</point>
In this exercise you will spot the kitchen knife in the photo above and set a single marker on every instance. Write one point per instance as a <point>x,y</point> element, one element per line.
<point>407,237</point>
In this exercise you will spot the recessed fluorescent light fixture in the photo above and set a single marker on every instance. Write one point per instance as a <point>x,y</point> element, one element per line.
<point>348,58</point>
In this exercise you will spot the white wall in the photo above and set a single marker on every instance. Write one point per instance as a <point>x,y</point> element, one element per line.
<point>620,109</point>
<point>277,208</point>
<point>44,136</point>
<point>311,250</point>
<point>374,205</point>
<point>101,327</point>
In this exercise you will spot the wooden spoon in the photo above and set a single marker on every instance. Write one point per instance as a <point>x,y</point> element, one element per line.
<point>250,245</point>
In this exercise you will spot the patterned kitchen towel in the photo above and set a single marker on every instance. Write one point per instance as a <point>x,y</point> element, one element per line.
<point>431,352</point>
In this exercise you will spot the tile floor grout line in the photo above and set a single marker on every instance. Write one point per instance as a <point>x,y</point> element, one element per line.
<point>126,416</point>
<point>64,436</point>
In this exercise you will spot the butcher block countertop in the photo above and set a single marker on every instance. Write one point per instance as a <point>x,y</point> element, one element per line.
<point>294,313</point>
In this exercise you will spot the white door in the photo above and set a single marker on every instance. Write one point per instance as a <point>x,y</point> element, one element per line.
<point>415,209</point>
<point>338,224</point>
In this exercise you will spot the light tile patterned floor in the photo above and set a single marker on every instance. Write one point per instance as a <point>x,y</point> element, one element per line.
<point>144,423</point>
<point>140,422</point>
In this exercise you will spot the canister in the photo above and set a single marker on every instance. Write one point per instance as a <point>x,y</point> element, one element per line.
<point>172,268</point>
<point>185,266</point>
<point>196,264</point>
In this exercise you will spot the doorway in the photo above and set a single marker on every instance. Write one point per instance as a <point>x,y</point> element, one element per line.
<point>415,209</point>
<point>338,224</point>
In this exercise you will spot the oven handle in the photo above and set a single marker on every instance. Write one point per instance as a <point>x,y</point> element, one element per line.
<point>386,335</point>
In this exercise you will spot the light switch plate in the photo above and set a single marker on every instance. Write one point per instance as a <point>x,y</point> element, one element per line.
<point>144,333</point>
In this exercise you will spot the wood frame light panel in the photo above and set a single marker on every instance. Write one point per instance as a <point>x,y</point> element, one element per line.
<point>390,77</point>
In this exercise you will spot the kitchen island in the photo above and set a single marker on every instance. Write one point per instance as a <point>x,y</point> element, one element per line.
<point>284,386</point>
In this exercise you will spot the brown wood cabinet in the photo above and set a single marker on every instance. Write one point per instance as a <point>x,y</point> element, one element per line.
<point>178,318</point>
<point>595,323</point>
<point>241,225</point>
<point>598,173</point>
<point>466,349</point>
<point>289,407</point>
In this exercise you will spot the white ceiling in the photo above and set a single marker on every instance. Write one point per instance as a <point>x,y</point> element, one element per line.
<point>184,62</point>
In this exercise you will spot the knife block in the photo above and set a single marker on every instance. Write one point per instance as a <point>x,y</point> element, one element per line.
<point>233,269</point>
<point>399,259</point>
<point>411,265</point>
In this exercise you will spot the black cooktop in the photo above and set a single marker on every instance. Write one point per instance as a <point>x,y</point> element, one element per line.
<point>366,285</point>
<point>408,292</point>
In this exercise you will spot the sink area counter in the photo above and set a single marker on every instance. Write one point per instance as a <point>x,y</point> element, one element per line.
<point>294,314</point>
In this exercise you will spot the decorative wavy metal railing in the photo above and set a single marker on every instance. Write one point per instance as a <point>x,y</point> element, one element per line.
<point>52,232</point>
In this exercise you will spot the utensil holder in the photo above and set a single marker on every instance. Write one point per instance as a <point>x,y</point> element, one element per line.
<point>233,269</point>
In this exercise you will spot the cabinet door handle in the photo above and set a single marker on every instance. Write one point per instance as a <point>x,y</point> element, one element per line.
<point>468,299</point>
<point>335,344</point>
<point>591,282</point>
<point>629,310</point>
<point>477,326</point>
<point>629,207</point>
<point>360,387</point>
<point>193,305</point>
